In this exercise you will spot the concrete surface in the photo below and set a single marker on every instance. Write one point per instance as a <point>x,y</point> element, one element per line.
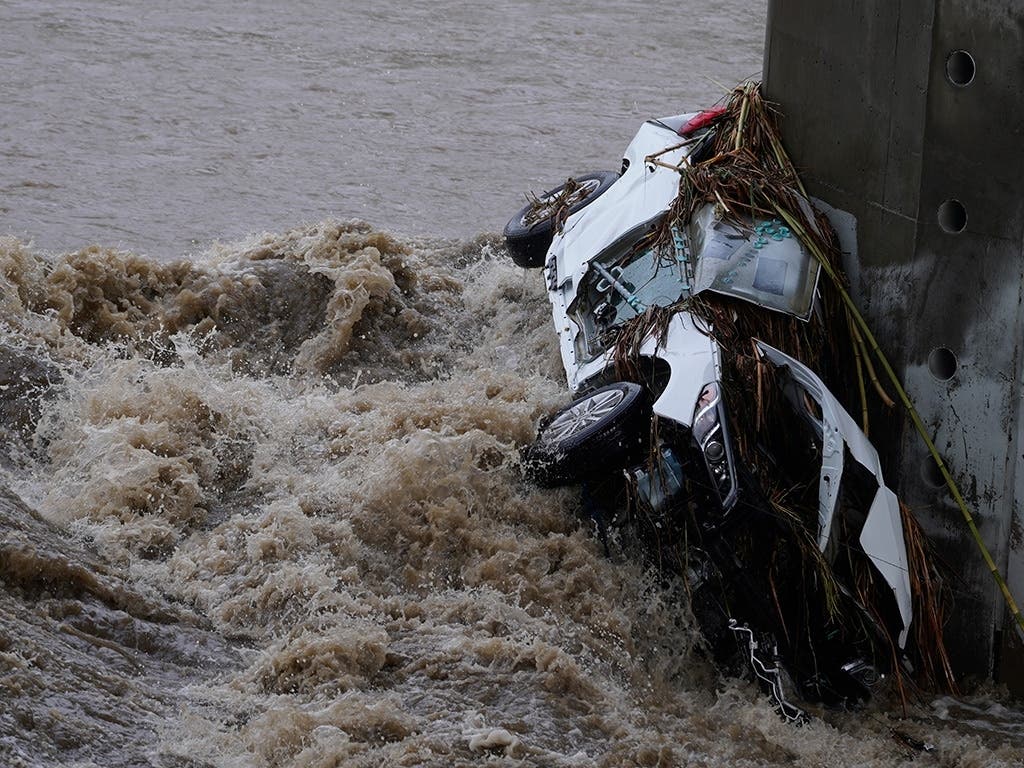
<point>908,114</point>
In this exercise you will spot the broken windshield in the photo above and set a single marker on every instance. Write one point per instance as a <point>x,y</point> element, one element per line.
<point>759,262</point>
<point>625,279</point>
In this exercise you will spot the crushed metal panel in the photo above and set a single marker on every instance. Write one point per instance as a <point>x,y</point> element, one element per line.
<point>693,357</point>
<point>882,535</point>
<point>766,265</point>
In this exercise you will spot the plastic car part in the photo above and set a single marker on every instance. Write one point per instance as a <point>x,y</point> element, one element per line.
<point>701,121</point>
<point>613,282</point>
<point>591,436</point>
<point>765,664</point>
<point>692,356</point>
<point>710,432</point>
<point>660,487</point>
<point>529,233</point>
<point>882,534</point>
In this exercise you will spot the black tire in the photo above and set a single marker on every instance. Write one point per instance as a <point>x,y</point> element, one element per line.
<point>529,233</point>
<point>592,436</point>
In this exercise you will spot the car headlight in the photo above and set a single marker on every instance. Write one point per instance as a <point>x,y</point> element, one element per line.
<point>712,437</point>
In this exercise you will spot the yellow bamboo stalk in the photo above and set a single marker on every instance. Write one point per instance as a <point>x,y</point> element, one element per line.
<point>654,161</point>
<point>786,163</point>
<point>889,402</point>
<point>739,123</point>
<point>721,202</point>
<point>859,363</point>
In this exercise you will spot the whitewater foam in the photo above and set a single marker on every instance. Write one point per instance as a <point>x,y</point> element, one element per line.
<point>278,520</point>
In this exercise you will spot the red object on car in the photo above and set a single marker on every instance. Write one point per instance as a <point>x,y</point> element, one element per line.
<point>701,120</point>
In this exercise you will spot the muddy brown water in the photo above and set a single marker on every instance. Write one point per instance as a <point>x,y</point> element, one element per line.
<point>274,518</point>
<point>160,128</point>
<point>260,506</point>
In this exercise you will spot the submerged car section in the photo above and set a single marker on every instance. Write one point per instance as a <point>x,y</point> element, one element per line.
<point>882,534</point>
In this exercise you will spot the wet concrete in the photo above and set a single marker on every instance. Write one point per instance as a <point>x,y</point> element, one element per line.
<point>908,116</point>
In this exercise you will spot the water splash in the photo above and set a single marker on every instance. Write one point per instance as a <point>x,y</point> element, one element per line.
<point>277,519</point>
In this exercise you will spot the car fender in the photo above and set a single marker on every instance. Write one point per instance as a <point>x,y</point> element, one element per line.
<point>693,358</point>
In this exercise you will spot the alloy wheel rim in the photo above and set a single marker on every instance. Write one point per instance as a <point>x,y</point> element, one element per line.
<point>582,415</point>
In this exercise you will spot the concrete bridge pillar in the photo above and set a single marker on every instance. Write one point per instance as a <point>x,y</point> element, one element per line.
<point>909,115</point>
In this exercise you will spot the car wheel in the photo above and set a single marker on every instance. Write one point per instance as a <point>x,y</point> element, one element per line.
<point>591,436</point>
<point>529,233</point>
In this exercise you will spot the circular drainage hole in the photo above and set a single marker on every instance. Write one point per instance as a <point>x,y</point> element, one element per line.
<point>960,68</point>
<point>931,473</point>
<point>942,363</point>
<point>952,216</point>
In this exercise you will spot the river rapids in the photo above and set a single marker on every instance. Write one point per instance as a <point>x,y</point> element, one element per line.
<point>263,508</point>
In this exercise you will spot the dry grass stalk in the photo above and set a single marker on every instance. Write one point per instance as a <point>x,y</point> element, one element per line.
<point>929,610</point>
<point>557,207</point>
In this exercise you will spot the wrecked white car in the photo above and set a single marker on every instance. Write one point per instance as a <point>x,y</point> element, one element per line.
<point>771,504</point>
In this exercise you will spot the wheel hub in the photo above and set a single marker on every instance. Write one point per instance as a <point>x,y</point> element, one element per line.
<point>582,415</point>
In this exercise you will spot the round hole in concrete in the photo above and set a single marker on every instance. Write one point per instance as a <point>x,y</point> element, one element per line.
<point>942,363</point>
<point>960,68</point>
<point>952,216</point>
<point>931,473</point>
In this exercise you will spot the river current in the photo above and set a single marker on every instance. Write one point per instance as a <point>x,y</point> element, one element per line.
<point>265,372</point>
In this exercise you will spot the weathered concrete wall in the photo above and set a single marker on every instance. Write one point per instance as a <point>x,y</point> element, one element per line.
<point>909,114</point>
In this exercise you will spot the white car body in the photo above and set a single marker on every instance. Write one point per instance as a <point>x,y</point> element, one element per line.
<point>643,192</point>
<point>641,196</point>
